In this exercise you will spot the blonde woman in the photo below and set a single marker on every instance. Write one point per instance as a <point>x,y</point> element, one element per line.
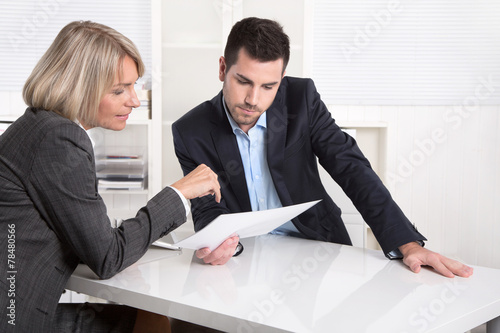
<point>49,203</point>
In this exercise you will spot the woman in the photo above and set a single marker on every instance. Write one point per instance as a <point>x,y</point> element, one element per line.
<point>51,214</point>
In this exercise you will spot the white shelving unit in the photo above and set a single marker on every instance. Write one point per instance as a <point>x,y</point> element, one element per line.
<point>147,133</point>
<point>123,204</point>
<point>191,48</point>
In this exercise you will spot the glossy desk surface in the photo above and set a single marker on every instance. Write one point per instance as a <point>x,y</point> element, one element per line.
<point>289,284</point>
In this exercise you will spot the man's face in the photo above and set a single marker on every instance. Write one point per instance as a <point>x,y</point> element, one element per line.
<point>249,87</point>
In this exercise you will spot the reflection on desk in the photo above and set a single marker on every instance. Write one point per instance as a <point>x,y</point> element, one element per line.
<point>290,284</point>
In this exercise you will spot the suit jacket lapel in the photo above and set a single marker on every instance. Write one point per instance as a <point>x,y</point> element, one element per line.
<point>276,139</point>
<point>227,149</point>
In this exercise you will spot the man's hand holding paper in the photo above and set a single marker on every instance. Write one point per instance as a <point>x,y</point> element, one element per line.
<point>216,243</point>
<point>220,255</point>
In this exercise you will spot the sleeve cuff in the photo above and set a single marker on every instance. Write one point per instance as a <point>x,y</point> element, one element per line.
<point>396,254</point>
<point>184,200</point>
<point>238,250</point>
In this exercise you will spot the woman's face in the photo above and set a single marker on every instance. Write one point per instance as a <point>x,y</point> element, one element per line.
<point>118,103</point>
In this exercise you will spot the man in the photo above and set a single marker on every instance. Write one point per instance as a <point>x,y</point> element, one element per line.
<point>263,134</point>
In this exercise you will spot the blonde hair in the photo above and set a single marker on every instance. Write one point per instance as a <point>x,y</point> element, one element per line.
<point>78,69</point>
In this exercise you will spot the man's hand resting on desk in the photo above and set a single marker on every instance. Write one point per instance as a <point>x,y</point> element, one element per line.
<point>220,255</point>
<point>415,256</point>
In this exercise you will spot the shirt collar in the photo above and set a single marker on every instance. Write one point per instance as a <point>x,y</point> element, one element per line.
<point>261,122</point>
<point>88,134</point>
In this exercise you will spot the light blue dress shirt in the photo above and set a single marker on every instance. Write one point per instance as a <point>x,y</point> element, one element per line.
<point>253,152</point>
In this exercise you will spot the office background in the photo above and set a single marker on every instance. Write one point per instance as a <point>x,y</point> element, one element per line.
<point>419,81</point>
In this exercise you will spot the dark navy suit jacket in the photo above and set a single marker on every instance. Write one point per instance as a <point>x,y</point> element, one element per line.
<point>300,132</point>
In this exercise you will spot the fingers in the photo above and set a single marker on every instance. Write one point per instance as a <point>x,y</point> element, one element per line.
<point>412,263</point>
<point>436,261</point>
<point>425,257</point>
<point>443,265</point>
<point>449,267</point>
<point>198,183</point>
<point>218,196</point>
<point>209,181</point>
<point>465,271</point>
<point>457,268</point>
<point>202,253</point>
<point>220,255</point>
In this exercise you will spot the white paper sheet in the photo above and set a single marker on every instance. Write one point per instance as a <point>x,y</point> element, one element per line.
<point>244,225</point>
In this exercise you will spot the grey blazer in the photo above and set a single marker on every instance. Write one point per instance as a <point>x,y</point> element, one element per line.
<point>49,202</point>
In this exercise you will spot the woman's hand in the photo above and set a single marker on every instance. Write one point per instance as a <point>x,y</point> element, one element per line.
<point>198,183</point>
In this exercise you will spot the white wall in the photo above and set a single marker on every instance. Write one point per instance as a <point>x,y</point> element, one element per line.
<point>444,174</point>
<point>13,105</point>
<point>442,166</point>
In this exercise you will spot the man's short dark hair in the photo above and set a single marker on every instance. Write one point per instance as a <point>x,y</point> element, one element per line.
<point>263,39</point>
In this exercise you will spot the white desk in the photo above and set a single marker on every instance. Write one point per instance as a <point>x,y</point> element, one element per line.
<point>290,284</point>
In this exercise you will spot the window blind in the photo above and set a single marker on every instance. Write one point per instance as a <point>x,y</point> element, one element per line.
<point>426,52</point>
<point>28,28</point>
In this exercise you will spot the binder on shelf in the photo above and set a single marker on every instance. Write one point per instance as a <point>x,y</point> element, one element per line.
<point>106,184</point>
<point>121,168</point>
